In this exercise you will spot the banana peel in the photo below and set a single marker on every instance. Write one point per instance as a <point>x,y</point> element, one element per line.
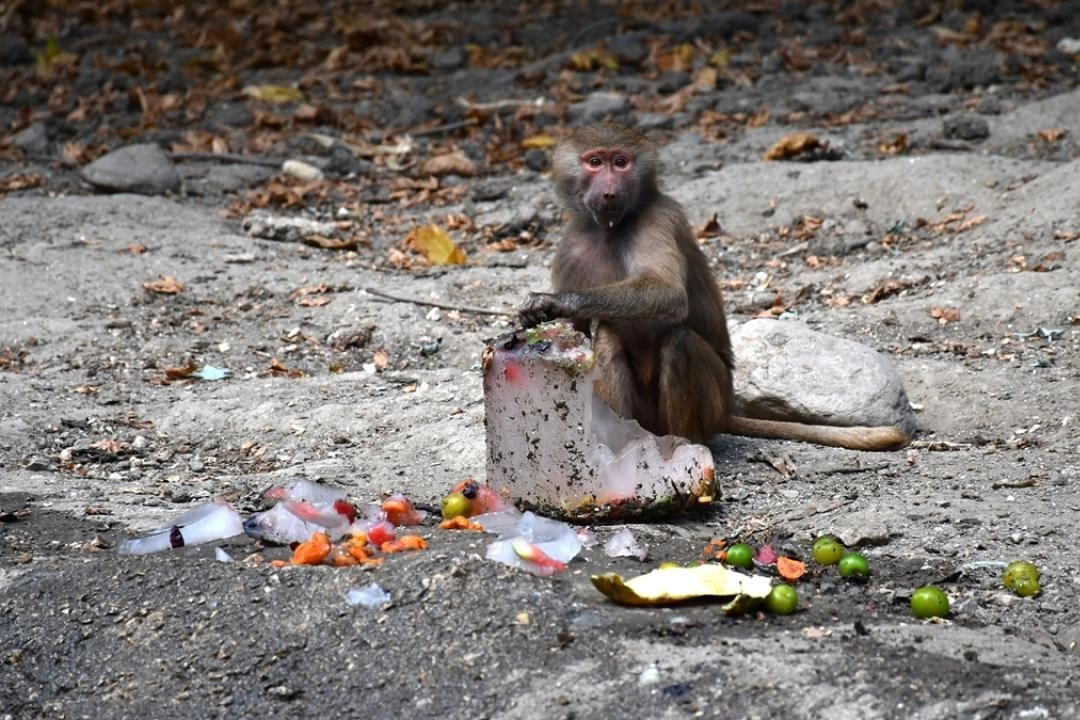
<point>668,585</point>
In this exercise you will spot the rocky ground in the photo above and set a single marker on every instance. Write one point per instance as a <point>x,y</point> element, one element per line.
<point>934,218</point>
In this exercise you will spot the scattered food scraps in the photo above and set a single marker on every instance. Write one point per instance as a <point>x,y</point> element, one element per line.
<point>624,544</point>
<point>538,545</point>
<point>401,512</point>
<point>789,568</point>
<point>676,584</point>
<point>312,551</point>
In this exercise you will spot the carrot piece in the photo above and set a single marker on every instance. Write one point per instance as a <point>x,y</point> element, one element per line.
<point>789,568</point>
<point>400,511</point>
<point>358,552</point>
<point>460,522</point>
<point>312,551</point>
<point>406,542</point>
<point>341,557</point>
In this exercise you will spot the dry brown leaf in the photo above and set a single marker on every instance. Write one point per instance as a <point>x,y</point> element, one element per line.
<point>454,163</point>
<point>381,359</point>
<point>274,94</point>
<point>314,301</point>
<point>135,249</point>
<point>277,368</point>
<point>107,444</point>
<point>21,182</point>
<point>435,245</point>
<point>793,145</point>
<point>179,372</point>
<point>164,285</point>
<point>945,315</point>
<point>895,145</point>
<point>710,229</point>
<point>540,141</point>
<point>1051,135</point>
<point>328,243</point>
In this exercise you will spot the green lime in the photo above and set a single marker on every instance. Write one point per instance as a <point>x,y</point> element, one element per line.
<point>455,504</point>
<point>929,601</point>
<point>783,599</point>
<point>740,555</point>
<point>853,565</point>
<point>1027,587</point>
<point>827,550</point>
<point>1021,574</point>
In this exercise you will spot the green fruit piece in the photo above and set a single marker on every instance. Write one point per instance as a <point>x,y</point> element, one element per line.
<point>455,504</point>
<point>1021,573</point>
<point>1027,587</point>
<point>783,599</point>
<point>827,550</point>
<point>740,555</point>
<point>853,565</point>
<point>929,601</point>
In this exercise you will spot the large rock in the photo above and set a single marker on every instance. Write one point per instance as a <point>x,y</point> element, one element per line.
<point>784,370</point>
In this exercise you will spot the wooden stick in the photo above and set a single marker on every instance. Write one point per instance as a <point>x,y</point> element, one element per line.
<point>432,303</point>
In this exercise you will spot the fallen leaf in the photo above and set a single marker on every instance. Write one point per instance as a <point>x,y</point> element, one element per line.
<point>179,372</point>
<point>21,182</point>
<point>381,359</point>
<point>435,245</point>
<point>944,315</point>
<point>455,163</point>
<point>165,285</point>
<point>897,144</point>
<point>274,94</point>
<point>538,141</point>
<point>318,301</point>
<point>1051,135</point>
<point>135,249</point>
<point>793,145</point>
<point>709,229</point>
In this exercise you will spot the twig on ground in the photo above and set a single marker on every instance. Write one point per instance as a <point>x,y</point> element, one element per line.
<point>432,303</point>
<point>225,158</point>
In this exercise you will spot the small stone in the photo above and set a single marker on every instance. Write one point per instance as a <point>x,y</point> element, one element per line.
<point>966,127</point>
<point>598,106</point>
<point>144,169</point>
<point>536,159</point>
<point>230,115</point>
<point>449,59</point>
<point>13,50</point>
<point>32,140</point>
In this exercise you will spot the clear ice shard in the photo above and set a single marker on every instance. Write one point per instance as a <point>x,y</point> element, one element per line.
<point>554,447</point>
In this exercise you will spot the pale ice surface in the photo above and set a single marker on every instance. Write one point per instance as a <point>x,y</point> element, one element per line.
<point>203,524</point>
<point>554,446</point>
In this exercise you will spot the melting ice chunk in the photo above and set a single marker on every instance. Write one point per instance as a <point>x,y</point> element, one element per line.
<point>554,447</point>
<point>205,523</point>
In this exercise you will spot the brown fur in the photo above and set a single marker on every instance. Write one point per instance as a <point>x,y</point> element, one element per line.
<point>629,271</point>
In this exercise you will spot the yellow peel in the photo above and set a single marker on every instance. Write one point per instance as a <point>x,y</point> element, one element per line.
<point>676,584</point>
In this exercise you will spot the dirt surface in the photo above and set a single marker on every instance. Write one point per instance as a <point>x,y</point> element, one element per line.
<point>938,226</point>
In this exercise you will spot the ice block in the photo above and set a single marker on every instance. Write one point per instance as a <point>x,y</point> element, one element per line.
<point>555,448</point>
